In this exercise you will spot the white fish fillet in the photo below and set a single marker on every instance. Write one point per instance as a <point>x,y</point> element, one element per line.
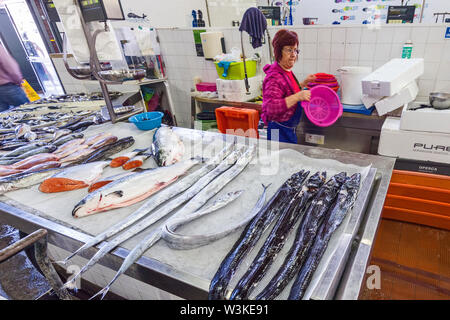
<point>87,173</point>
<point>130,189</point>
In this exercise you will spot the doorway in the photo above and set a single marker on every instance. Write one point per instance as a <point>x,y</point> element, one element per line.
<point>20,35</point>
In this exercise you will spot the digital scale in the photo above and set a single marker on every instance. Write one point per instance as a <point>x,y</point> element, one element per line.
<point>101,10</point>
<point>401,14</point>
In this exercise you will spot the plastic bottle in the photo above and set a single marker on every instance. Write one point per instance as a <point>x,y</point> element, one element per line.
<point>407,50</point>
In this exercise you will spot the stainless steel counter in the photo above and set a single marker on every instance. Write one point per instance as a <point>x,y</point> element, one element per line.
<point>176,281</point>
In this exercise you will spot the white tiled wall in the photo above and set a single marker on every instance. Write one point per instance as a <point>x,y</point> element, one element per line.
<point>323,49</point>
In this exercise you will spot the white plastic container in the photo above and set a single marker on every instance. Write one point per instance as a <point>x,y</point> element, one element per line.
<point>212,43</point>
<point>406,95</point>
<point>414,145</point>
<point>392,77</point>
<point>351,87</point>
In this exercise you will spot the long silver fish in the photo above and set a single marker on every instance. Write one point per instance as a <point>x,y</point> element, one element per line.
<point>160,213</point>
<point>193,205</point>
<point>23,149</point>
<point>167,147</point>
<point>131,189</point>
<point>62,140</point>
<point>60,133</point>
<point>156,200</point>
<point>45,149</point>
<point>21,181</point>
<point>185,242</point>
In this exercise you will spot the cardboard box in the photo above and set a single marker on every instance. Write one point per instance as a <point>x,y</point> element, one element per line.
<point>413,145</point>
<point>392,77</point>
<point>406,95</point>
<point>428,120</point>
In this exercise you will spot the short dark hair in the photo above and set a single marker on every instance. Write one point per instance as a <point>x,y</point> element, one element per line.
<point>283,38</point>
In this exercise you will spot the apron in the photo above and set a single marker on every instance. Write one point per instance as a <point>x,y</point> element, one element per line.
<point>286,129</point>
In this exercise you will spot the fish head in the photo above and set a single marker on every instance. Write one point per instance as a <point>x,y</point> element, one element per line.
<point>96,202</point>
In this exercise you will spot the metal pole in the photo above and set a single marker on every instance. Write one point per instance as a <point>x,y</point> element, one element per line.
<point>247,87</point>
<point>421,11</point>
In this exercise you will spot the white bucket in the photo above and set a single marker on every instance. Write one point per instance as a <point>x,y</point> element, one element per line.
<point>351,86</point>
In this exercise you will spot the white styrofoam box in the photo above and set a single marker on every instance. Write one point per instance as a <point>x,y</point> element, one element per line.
<point>392,77</point>
<point>414,145</point>
<point>406,95</point>
<point>238,85</point>
<point>428,120</point>
<point>369,101</point>
<point>238,96</point>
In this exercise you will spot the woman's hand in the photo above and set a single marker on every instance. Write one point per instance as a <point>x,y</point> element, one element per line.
<point>304,95</point>
<point>309,78</point>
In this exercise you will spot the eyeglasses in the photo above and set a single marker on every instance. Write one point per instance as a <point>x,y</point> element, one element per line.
<point>292,51</point>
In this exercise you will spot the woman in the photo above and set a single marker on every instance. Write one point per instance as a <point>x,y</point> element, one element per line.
<point>282,93</point>
<point>11,92</point>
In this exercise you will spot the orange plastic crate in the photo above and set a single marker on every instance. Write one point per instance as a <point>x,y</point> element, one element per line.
<point>417,217</point>
<point>238,121</point>
<point>421,179</point>
<point>419,198</point>
<point>408,203</point>
<point>418,192</point>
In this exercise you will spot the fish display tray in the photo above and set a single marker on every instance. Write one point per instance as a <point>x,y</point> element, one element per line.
<point>193,269</point>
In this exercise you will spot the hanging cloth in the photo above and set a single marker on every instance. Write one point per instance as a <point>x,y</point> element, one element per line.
<point>255,23</point>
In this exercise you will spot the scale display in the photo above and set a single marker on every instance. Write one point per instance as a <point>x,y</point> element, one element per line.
<point>401,14</point>
<point>51,11</point>
<point>101,10</point>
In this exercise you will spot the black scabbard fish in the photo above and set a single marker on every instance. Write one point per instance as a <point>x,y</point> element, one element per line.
<point>277,237</point>
<point>345,200</point>
<point>305,235</point>
<point>251,235</point>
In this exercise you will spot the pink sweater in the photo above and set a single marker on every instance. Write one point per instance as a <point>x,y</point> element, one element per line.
<point>9,69</point>
<point>276,87</point>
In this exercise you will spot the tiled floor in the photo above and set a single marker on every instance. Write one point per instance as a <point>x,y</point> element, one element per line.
<point>414,262</point>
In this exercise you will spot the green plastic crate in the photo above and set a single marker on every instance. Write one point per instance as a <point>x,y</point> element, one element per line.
<point>236,70</point>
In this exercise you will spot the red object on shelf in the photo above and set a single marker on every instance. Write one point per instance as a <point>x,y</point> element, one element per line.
<point>238,121</point>
<point>206,86</point>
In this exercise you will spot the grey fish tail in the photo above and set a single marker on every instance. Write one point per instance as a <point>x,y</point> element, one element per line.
<point>266,187</point>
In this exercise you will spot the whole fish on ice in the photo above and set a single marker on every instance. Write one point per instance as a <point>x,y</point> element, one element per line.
<point>167,147</point>
<point>131,189</point>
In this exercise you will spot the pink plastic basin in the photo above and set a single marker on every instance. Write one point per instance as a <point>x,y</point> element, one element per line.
<point>324,107</point>
<point>206,86</point>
